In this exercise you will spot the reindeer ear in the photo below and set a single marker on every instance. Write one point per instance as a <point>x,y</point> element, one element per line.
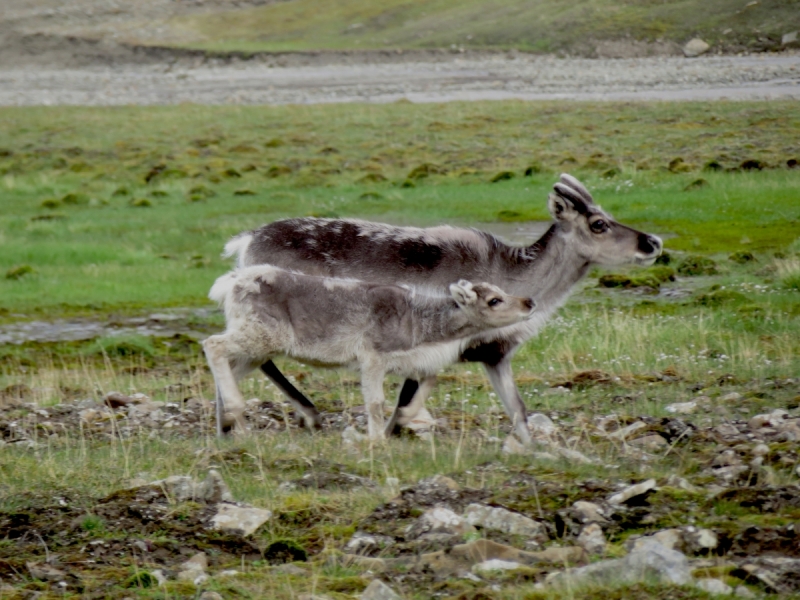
<point>568,199</point>
<point>463,293</point>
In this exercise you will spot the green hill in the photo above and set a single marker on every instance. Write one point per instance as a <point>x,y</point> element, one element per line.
<point>582,27</point>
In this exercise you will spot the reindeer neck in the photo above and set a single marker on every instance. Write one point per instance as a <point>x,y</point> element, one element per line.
<point>547,269</point>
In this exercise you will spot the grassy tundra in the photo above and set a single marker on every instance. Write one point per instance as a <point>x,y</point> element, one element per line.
<point>115,213</point>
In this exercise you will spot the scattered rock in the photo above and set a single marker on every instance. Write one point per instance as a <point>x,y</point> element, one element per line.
<point>626,432</point>
<point>541,425</point>
<point>695,47</point>
<point>714,586</point>
<point>789,39</point>
<point>45,572</point>
<point>682,408</point>
<point>592,539</point>
<point>439,520</point>
<point>495,565</point>
<point>700,540</point>
<point>652,443</point>
<point>377,590</point>
<point>241,520</point>
<point>512,446</point>
<point>634,491</point>
<point>501,519</point>
<point>194,569</point>
<point>366,544</point>
<point>208,595</point>
<point>730,397</point>
<point>588,512</point>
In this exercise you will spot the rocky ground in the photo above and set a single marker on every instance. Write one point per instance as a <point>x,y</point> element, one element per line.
<point>727,526</point>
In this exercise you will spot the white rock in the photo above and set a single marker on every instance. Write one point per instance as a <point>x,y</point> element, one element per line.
<point>632,492</point>
<point>743,592</point>
<point>624,433</point>
<point>575,456</point>
<point>159,575</point>
<point>714,586</point>
<point>501,519</point>
<point>512,446</point>
<point>681,483</point>
<point>682,408</point>
<point>695,47</point>
<point>760,450</point>
<point>362,543</point>
<point>588,512</point>
<point>592,539</point>
<point>443,520</point>
<point>672,566</point>
<point>786,39</point>
<point>377,590</point>
<point>650,442</point>
<point>495,564</point>
<point>541,425</point>
<point>352,436</point>
<point>731,397</point>
<point>209,595</point>
<point>243,520</point>
<point>198,561</point>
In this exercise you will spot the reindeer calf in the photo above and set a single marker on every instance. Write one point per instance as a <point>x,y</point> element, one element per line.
<point>373,328</point>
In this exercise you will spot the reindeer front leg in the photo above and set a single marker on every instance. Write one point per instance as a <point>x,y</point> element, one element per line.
<point>502,379</point>
<point>372,388</point>
<point>410,402</point>
<point>230,403</point>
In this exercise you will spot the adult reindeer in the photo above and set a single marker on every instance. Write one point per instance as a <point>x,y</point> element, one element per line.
<point>581,236</point>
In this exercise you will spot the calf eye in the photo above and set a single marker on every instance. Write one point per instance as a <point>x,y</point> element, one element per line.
<point>494,301</point>
<point>598,226</point>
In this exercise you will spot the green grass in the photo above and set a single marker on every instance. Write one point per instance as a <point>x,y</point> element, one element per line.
<point>544,26</point>
<point>76,237</point>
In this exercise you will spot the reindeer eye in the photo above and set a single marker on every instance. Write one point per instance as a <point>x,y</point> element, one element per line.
<point>598,226</point>
<point>494,301</point>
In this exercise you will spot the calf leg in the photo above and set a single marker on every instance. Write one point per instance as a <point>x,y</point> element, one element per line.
<point>303,405</point>
<point>229,398</point>
<point>503,382</point>
<point>372,389</point>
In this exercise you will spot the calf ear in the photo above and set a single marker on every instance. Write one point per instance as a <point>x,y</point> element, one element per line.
<point>463,293</point>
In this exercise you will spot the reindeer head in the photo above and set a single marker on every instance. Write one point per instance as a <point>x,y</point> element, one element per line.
<point>486,304</point>
<point>598,237</point>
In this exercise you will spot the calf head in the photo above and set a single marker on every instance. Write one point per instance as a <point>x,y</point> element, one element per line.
<point>593,233</point>
<point>486,304</point>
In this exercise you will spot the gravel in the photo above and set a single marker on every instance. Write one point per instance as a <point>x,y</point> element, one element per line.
<point>497,77</point>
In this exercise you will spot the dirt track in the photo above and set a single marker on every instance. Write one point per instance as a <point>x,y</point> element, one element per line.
<point>482,78</point>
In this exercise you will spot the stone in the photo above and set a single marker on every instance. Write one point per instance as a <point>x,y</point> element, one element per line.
<point>364,563</point>
<point>352,436</point>
<point>117,400</point>
<point>588,512</point>
<point>695,47</point>
<point>681,483</point>
<point>506,521</point>
<point>290,569</point>
<point>743,592</point>
<point>592,539</point>
<point>760,450</point>
<point>682,408</point>
<point>160,577</point>
<point>495,565</point>
<point>377,590</point>
<point>366,543</point>
<point>671,566</point>
<point>727,430</point>
<point>730,397</point>
<point>482,550</point>
<point>198,561</point>
<point>208,595</point>
<point>541,425</point>
<point>671,539</point>
<point>213,489</point>
<point>512,447</point>
<point>242,520</point>
<point>773,419</point>
<point>45,572</point>
<point>574,456</point>
<point>726,458</point>
<point>439,519</point>
<point>701,540</point>
<point>633,491</point>
<point>313,597</point>
<point>714,586</point>
<point>624,433</point>
<point>444,481</point>
<point>650,442</point>
<point>789,38</point>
